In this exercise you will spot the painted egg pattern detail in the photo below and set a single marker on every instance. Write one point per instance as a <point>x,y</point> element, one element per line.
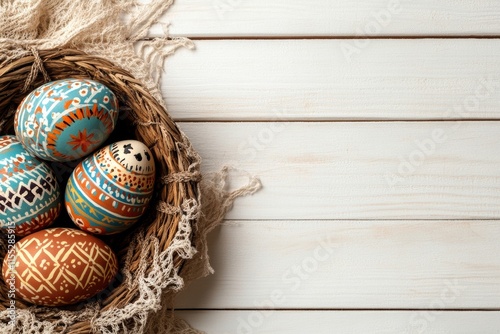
<point>110,190</point>
<point>29,193</point>
<point>67,119</point>
<point>61,266</point>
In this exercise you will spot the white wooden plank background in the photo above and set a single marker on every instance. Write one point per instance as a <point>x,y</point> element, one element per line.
<point>346,322</point>
<point>359,170</point>
<point>240,18</point>
<point>348,115</point>
<point>351,265</point>
<point>314,80</point>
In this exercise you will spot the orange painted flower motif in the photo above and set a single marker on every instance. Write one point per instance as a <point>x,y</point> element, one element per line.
<point>82,141</point>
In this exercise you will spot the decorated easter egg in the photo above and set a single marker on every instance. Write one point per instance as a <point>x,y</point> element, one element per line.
<point>110,190</point>
<point>59,266</point>
<point>67,119</point>
<point>29,193</point>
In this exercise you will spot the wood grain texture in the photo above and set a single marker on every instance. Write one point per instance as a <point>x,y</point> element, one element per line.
<point>351,265</point>
<point>345,322</point>
<point>236,18</point>
<point>397,79</point>
<point>352,215</point>
<point>359,170</point>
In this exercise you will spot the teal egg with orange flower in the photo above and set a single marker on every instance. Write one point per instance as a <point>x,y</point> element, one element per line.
<point>67,119</point>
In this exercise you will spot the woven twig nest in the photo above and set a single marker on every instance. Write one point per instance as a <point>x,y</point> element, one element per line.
<point>175,204</point>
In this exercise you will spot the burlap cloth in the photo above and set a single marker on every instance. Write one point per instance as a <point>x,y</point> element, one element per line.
<point>117,30</point>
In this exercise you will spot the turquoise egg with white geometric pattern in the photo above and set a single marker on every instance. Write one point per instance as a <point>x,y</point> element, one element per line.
<point>67,119</point>
<point>29,193</point>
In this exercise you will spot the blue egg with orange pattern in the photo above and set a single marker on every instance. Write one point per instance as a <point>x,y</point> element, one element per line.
<point>67,119</point>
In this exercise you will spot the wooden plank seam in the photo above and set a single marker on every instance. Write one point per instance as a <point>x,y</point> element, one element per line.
<point>427,147</point>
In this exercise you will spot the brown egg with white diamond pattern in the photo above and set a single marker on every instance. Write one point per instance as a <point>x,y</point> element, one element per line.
<point>59,266</point>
